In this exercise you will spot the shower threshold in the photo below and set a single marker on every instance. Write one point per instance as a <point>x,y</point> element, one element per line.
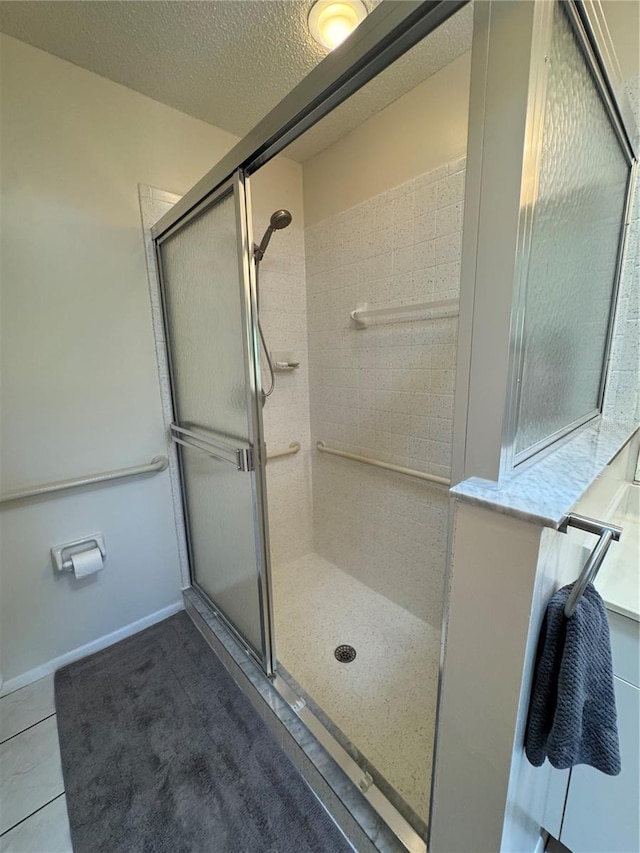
<point>362,779</point>
<point>365,815</point>
<point>368,774</point>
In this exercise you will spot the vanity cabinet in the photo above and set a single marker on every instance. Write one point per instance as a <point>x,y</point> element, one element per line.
<point>602,812</point>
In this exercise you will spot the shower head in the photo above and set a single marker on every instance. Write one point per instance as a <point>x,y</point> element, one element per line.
<point>279,219</point>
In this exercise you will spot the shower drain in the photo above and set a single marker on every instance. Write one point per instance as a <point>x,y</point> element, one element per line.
<point>345,653</point>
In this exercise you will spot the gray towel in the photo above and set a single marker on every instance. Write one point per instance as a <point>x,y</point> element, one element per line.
<point>572,710</point>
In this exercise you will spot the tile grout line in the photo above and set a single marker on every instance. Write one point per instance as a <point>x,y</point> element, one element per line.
<point>39,809</point>
<point>33,725</point>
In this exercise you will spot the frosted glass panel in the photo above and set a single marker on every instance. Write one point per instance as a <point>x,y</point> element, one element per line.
<point>204,313</point>
<point>576,232</point>
<point>202,284</point>
<point>219,504</point>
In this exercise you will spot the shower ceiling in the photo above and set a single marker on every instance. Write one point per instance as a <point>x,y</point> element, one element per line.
<point>227,63</point>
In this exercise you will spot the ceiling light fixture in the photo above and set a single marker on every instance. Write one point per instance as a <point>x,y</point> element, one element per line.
<point>331,22</point>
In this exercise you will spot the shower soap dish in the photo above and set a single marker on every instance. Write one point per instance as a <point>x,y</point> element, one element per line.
<point>285,360</point>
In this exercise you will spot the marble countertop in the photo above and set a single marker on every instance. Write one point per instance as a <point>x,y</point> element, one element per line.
<point>545,491</point>
<point>618,580</point>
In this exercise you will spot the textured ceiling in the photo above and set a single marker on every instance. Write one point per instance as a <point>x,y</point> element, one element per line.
<point>227,62</point>
<point>224,62</point>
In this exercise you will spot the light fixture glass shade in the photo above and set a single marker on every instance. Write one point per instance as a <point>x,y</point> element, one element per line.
<point>331,22</point>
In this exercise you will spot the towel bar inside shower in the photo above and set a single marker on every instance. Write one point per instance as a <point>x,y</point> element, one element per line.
<point>607,534</point>
<point>439,309</point>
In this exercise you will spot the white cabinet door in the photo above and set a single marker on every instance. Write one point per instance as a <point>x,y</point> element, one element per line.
<point>601,814</point>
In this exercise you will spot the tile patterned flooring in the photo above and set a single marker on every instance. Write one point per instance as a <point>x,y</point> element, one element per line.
<point>385,700</point>
<point>33,814</point>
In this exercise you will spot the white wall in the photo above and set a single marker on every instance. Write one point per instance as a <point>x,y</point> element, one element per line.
<point>418,132</point>
<point>80,389</point>
<point>493,573</point>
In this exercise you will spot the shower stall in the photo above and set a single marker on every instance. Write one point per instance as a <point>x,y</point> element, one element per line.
<point>358,517</point>
<point>312,380</point>
<point>315,448</point>
<point>311,338</point>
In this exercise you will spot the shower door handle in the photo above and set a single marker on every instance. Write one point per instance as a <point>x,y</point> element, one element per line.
<point>240,457</point>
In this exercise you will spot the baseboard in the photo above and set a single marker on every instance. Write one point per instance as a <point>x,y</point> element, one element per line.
<point>32,675</point>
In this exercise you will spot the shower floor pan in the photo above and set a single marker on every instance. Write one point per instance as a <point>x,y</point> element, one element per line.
<point>384,700</point>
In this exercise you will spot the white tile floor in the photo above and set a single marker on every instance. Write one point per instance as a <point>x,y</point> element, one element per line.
<point>385,700</point>
<point>33,811</point>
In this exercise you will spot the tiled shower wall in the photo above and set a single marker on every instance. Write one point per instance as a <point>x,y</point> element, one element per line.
<point>622,398</point>
<point>385,391</point>
<point>283,312</point>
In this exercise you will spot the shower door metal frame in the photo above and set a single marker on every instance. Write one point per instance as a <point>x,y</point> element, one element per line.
<point>251,460</point>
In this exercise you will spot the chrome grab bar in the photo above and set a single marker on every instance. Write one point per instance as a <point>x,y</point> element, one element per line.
<point>410,472</point>
<point>158,463</point>
<point>608,533</point>
<point>240,457</point>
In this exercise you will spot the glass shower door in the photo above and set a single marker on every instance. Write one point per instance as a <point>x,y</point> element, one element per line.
<point>208,309</point>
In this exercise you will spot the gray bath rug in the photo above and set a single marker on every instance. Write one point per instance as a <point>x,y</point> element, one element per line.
<point>162,752</point>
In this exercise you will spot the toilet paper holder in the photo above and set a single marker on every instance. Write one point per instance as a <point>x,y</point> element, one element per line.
<point>62,558</point>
